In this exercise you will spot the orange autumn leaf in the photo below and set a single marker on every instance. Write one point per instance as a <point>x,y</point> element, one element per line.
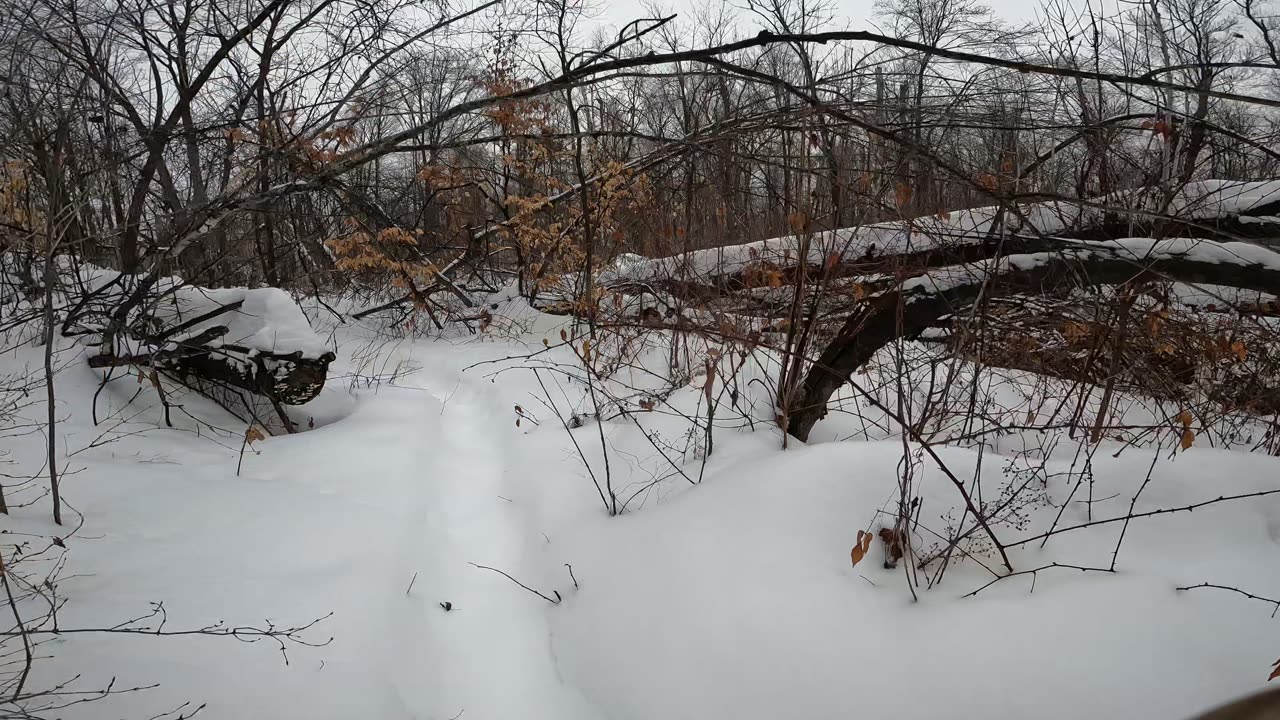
<point>860,549</point>
<point>1188,439</point>
<point>1238,348</point>
<point>1185,418</point>
<point>988,181</point>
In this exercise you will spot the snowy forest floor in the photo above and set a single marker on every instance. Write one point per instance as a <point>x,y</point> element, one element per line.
<point>723,591</point>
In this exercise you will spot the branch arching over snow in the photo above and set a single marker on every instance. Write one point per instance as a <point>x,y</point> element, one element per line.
<point>933,295</point>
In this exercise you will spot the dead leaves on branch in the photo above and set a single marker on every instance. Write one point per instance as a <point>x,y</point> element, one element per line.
<point>392,251</point>
<point>553,236</point>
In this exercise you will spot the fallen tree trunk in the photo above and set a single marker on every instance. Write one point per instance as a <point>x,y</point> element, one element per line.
<point>925,299</point>
<point>1216,210</point>
<point>237,346</point>
<point>290,379</point>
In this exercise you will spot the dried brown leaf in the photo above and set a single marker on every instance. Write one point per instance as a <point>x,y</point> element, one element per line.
<point>253,434</point>
<point>861,547</point>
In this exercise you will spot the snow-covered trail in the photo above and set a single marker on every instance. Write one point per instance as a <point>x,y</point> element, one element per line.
<point>490,655</point>
<point>374,518</point>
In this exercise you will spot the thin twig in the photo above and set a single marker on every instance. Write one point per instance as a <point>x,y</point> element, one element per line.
<point>1161,511</point>
<point>526,587</point>
<point>1274,603</point>
<point>1033,573</point>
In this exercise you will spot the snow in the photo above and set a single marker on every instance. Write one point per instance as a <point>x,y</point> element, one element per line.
<point>1217,198</point>
<point>751,611</point>
<point>268,319</point>
<point>1136,250</point>
<point>1197,200</point>
<point>1216,295</point>
<point>1198,250</point>
<point>728,598</point>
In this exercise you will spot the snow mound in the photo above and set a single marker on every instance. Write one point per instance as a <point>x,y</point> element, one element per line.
<point>258,320</point>
<point>262,320</point>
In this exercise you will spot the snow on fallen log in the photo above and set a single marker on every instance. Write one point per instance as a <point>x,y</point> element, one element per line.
<point>1138,251</point>
<point>263,321</point>
<point>1219,201</point>
<point>920,302</point>
<point>257,340</point>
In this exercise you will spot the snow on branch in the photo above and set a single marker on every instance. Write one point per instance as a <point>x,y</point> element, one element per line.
<point>927,298</point>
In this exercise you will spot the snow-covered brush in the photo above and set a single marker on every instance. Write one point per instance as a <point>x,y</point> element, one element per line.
<point>233,343</point>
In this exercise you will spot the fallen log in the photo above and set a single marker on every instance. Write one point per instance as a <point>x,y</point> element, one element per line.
<point>920,302</point>
<point>290,379</point>
<point>233,345</point>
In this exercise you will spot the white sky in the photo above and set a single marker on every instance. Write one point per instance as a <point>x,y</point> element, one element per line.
<point>856,14</point>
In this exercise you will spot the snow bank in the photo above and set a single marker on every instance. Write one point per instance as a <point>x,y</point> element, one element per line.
<point>738,601</point>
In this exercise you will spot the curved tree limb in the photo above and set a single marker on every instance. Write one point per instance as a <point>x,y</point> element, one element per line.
<point>929,297</point>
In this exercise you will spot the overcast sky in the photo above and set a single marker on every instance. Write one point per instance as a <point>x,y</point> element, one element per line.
<point>856,14</point>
